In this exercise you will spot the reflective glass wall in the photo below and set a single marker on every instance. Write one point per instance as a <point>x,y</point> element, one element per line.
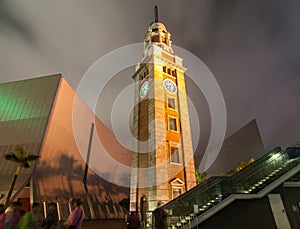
<point>25,107</point>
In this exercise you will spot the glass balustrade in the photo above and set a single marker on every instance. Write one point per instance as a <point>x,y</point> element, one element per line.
<point>249,180</point>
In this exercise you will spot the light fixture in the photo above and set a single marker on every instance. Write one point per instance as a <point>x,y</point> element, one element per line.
<point>275,156</point>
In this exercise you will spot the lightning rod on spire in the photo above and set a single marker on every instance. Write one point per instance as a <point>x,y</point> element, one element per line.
<point>156,13</point>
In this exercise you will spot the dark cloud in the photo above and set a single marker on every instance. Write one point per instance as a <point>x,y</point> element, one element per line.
<point>251,47</point>
<point>254,58</point>
<point>12,23</point>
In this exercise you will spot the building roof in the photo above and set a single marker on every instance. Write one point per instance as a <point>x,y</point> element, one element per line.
<point>243,145</point>
<point>48,118</point>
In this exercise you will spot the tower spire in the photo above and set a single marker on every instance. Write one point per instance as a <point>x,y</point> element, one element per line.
<point>155,13</point>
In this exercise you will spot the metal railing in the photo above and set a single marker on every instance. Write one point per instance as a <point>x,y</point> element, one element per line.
<point>217,192</point>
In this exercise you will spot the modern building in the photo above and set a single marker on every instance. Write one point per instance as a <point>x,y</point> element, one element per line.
<point>242,146</point>
<point>163,163</point>
<point>79,156</point>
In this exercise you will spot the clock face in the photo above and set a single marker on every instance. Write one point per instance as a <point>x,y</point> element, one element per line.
<point>144,89</point>
<point>170,86</point>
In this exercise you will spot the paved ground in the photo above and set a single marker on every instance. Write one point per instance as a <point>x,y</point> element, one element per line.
<point>104,224</point>
<point>99,224</point>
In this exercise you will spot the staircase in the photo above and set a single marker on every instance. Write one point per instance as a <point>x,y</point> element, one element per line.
<point>254,181</point>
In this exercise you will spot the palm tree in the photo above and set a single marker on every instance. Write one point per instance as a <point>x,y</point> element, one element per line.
<point>19,157</point>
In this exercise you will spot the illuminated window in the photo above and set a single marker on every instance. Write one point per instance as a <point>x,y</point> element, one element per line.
<point>171,103</point>
<point>174,155</point>
<point>174,73</point>
<point>172,123</point>
<point>170,71</point>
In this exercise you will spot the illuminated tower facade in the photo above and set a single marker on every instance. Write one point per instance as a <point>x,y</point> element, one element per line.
<point>163,162</point>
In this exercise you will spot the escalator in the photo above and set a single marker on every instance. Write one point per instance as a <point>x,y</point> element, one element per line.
<point>254,181</point>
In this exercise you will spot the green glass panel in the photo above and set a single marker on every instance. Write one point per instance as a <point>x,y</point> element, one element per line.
<point>25,99</point>
<point>24,110</point>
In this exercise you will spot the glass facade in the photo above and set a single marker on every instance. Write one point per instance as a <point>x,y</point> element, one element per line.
<point>60,171</point>
<point>47,118</point>
<point>24,111</point>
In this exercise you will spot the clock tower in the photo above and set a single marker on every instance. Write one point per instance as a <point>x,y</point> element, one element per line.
<point>162,161</point>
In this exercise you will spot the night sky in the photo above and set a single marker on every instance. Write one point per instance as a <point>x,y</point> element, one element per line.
<point>251,47</point>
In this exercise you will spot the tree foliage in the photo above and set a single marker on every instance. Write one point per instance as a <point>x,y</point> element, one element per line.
<point>240,166</point>
<point>18,156</point>
<point>200,177</point>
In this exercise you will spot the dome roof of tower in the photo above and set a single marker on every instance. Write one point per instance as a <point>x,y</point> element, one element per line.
<point>157,25</point>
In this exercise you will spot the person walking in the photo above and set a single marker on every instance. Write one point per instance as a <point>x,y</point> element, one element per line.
<point>32,219</point>
<point>76,216</point>
<point>2,216</point>
<point>16,214</point>
<point>133,221</point>
<point>9,214</point>
<point>51,220</point>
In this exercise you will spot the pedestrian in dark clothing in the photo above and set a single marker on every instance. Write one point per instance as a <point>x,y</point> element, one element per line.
<point>2,216</point>
<point>51,220</point>
<point>159,217</point>
<point>133,221</point>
